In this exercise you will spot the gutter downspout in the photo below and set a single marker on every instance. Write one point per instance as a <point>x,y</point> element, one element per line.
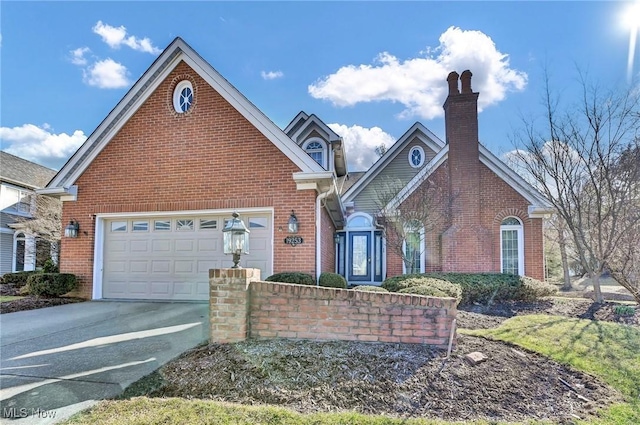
<point>319,200</point>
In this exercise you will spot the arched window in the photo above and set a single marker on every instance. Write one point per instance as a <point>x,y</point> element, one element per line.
<point>315,149</point>
<point>414,248</point>
<point>512,246</point>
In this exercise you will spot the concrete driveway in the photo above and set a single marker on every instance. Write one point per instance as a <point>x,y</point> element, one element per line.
<point>59,360</point>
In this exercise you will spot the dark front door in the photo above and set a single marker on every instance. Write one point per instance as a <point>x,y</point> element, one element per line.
<point>359,256</point>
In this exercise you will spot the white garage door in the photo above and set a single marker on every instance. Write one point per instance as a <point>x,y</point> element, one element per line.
<point>168,258</point>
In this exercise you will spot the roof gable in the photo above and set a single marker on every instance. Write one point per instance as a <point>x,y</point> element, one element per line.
<point>538,204</point>
<point>176,52</point>
<point>417,131</point>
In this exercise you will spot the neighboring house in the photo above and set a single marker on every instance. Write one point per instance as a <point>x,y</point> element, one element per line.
<point>153,185</point>
<point>19,179</point>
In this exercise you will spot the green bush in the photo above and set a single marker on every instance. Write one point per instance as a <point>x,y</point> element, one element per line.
<point>482,288</point>
<point>17,279</point>
<point>50,267</point>
<point>51,284</point>
<point>292,277</point>
<point>531,289</point>
<point>332,280</point>
<point>370,288</point>
<point>432,287</point>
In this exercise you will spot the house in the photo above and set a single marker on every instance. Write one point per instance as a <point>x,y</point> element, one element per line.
<point>151,189</point>
<point>20,250</point>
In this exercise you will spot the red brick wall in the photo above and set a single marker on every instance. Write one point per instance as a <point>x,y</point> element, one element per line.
<point>280,310</point>
<point>449,248</point>
<point>328,246</point>
<point>164,161</point>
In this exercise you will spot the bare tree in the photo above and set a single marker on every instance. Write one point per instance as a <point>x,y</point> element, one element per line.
<point>410,219</point>
<point>45,225</point>
<point>572,159</point>
<point>558,241</point>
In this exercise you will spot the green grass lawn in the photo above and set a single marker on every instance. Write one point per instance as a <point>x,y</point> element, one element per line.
<point>4,298</point>
<point>607,350</point>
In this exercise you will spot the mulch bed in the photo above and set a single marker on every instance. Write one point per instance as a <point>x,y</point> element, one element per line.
<point>402,380</point>
<point>32,303</point>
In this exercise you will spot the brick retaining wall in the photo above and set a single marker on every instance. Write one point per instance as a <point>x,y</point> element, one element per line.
<point>243,307</point>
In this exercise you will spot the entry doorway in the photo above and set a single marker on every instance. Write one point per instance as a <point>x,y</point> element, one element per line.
<point>360,252</point>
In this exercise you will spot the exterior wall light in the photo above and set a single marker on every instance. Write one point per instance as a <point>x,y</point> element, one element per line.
<point>72,229</point>
<point>336,238</point>
<point>235,239</point>
<point>293,223</point>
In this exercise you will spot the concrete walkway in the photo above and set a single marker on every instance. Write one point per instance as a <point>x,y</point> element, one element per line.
<point>57,361</point>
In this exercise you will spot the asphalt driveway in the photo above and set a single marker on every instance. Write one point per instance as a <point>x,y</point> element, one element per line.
<point>59,360</point>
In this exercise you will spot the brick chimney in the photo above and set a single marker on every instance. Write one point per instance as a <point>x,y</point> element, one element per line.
<point>461,124</point>
<point>466,244</point>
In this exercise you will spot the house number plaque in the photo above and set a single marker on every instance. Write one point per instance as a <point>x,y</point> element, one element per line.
<point>293,240</point>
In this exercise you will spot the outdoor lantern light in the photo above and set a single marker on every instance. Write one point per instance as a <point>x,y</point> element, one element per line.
<point>293,223</point>
<point>336,238</point>
<point>236,239</point>
<point>71,231</point>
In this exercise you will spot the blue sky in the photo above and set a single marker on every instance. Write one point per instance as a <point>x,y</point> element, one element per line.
<point>368,69</point>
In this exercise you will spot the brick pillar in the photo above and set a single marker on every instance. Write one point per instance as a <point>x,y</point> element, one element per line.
<point>229,303</point>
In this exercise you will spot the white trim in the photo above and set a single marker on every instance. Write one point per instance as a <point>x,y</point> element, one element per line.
<point>147,84</point>
<point>29,260</point>
<point>305,128</point>
<point>98,248</point>
<point>418,131</point>
<point>520,232</point>
<point>302,116</point>
<point>410,156</point>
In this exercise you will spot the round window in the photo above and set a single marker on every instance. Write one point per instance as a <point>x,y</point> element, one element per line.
<point>416,156</point>
<point>183,97</point>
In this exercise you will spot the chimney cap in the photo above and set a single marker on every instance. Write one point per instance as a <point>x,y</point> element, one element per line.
<point>452,79</point>
<point>465,79</point>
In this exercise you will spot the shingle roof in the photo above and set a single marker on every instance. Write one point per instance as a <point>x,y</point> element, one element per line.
<point>23,173</point>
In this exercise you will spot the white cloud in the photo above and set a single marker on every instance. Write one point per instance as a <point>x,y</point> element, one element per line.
<point>40,145</point>
<point>106,74</point>
<point>420,83</point>
<point>361,143</point>
<point>77,56</point>
<point>117,36</point>
<point>271,75</point>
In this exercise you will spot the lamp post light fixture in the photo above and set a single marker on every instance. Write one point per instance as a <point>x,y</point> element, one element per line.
<point>72,229</point>
<point>293,223</point>
<point>235,239</point>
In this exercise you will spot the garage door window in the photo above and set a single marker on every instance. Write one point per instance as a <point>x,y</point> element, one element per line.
<point>119,226</point>
<point>184,224</point>
<point>258,222</point>
<point>140,226</point>
<point>162,225</point>
<point>206,224</point>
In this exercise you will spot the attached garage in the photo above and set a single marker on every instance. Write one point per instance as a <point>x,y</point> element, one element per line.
<point>168,257</point>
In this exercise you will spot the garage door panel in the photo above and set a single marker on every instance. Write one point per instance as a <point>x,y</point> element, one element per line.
<point>169,258</point>
<point>161,245</point>
<point>139,267</point>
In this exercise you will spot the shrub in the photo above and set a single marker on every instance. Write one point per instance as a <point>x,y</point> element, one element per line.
<point>432,287</point>
<point>482,288</point>
<point>332,280</point>
<point>292,277</point>
<point>51,284</point>
<point>370,288</point>
<point>50,267</point>
<point>17,279</point>
<point>531,289</point>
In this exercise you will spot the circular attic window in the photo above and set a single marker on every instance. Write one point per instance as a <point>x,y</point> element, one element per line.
<point>416,156</point>
<point>183,97</point>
